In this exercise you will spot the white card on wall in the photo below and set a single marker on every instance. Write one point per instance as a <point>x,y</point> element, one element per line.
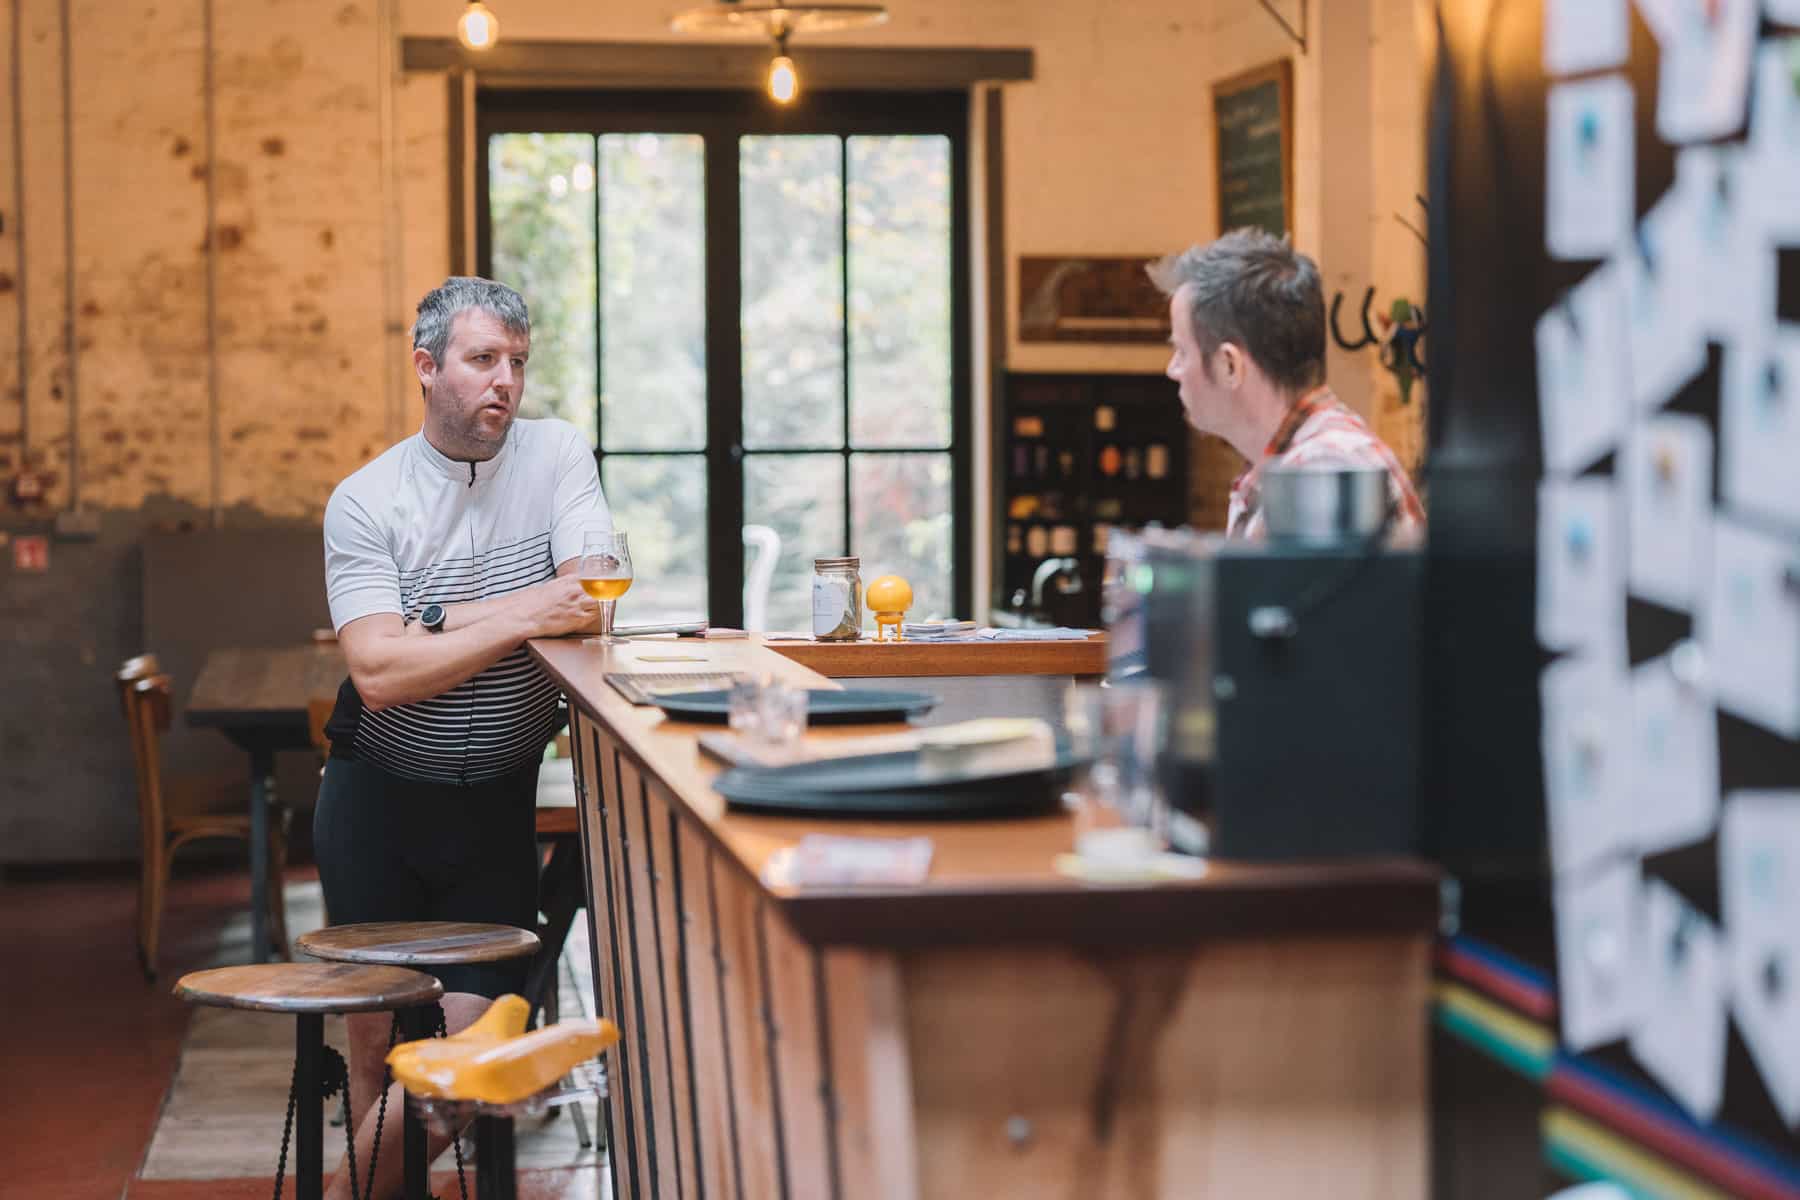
<point>1773,162</point>
<point>1681,1037</point>
<point>1586,35</point>
<point>1674,751</point>
<point>1759,897</point>
<point>1581,566</point>
<point>1668,471</point>
<point>1737,266</point>
<point>1587,773</point>
<point>1785,11</point>
<point>1750,626</point>
<point>1705,78</point>
<point>1759,425</point>
<point>1583,370</point>
<point>1659,15</point>
<point>1590,187</point>
<point>1599,970</point>
<point>1668,342</point>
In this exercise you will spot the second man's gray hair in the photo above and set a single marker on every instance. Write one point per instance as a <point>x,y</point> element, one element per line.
<point>1253,288</point>
<point>459,293</point>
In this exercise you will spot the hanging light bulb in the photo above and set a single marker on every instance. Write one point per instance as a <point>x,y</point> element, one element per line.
<point>478,28</point>
<point>784,80</point>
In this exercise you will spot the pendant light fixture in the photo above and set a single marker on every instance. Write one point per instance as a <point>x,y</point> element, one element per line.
<point>477,28</point>
<point>777,23</point>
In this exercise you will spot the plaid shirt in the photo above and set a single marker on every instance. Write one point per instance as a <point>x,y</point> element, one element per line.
<point>1320,432</point>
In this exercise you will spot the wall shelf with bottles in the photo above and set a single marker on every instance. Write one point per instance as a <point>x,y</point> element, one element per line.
<point>1080,455</point>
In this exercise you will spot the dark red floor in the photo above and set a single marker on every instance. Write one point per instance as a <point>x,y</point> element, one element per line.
<point>89,1046</point>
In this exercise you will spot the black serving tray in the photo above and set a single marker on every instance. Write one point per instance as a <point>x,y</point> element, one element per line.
<point>852,706</point>
<point>895,785</point>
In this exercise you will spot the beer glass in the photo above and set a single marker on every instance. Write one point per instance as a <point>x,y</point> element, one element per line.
<point>605,575</point>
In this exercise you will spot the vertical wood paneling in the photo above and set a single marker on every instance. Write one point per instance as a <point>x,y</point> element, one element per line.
<point>795,1008</point>
<point>621,1064</point>
<point>12,391</point>
<point>671,938</point>
<point>712,1052</point>
<point>630,1017</point>
<point>753,1093</point>
<point>594,748</point>
<point>660,1123</point>
<point>300,244</point>
<point>865,1026</point>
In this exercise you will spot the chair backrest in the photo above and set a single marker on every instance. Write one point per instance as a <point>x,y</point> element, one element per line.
<point>147,706</point>
<point>132,670</point>
<point>318,715</point>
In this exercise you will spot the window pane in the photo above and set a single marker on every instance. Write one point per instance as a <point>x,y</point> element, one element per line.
<point>661,503</point>
<point>900,291</point>
<point>793,297</point>
<point>541,212</point>
<point>653,304</point>
<point>900,525</point>
<point>800,497</point>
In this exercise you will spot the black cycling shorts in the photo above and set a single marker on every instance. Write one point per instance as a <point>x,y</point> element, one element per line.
<point>397,849</point>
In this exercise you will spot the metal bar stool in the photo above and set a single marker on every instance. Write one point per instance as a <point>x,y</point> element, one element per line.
<point>422,945</point>
<point>310,991</point>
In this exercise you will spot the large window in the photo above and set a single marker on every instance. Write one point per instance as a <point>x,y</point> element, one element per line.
<point>759,318</point>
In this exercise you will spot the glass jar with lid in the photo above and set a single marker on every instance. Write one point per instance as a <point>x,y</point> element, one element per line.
<point>837,599</point>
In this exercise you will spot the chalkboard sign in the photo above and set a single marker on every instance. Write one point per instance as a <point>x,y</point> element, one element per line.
<point>1253,128</point>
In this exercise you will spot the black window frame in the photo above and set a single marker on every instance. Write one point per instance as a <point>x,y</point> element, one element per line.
<point>721,118</point>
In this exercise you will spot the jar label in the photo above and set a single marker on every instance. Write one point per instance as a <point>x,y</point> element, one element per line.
<point>830,603</point>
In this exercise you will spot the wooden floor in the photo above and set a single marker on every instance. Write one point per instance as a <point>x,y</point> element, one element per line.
<point>90,1047</point>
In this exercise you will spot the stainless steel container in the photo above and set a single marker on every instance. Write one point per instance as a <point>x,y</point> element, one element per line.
<point>1322,506</point>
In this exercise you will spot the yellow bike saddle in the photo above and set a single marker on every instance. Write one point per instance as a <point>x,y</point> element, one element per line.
<point>494,1060</point>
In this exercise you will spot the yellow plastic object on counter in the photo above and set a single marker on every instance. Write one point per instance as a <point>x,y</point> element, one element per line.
<point>888,598</point>
<point>494,1060</point>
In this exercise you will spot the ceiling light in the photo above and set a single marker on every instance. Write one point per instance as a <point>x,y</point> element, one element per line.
<point>478,28</point>
<point>777,22</point>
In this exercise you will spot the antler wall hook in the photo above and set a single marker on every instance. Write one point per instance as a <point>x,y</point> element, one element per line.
<point>1398,343</point>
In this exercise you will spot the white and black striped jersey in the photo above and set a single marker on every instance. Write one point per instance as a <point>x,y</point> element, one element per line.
<point>414,528</point>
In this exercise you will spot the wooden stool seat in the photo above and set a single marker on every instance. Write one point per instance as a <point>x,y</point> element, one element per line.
<point>310,988</point>
<point>419,943</point>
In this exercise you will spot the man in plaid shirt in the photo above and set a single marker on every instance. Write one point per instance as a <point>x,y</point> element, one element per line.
<point>1248,331</point>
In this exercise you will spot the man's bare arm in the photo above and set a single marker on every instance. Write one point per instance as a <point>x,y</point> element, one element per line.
<point>391,666</point>
<point>471,612</point>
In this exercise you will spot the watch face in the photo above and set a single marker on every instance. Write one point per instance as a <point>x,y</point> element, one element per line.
<point>433,616</point>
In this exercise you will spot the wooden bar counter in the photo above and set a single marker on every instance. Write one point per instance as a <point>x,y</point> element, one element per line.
<point>998,1030</point>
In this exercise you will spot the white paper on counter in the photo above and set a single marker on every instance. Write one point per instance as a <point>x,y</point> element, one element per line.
<point>1736,273</point>
<point>1759,898</point>
<point>1668,341</point>
<point>1590,188</point>
<point>1584,372</point>
<point>1586,35</point>
<point>1750,627</point>
<point>1680,1038</point>
<point>1705,78</point>
<point>1667,466</point>
<point>1581,566</point>
<point>1773,162</point>
<point>1674,754</point>
<point>1587,772</point>
<point>1759,424</point>
<point>1599,960</point>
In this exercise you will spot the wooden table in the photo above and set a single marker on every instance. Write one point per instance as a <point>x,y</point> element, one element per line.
<point>997,1029</point>
<point>258,698</point>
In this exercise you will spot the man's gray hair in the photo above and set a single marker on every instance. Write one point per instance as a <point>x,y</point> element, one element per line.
<point>459,293</point>
<point>1253,288</point>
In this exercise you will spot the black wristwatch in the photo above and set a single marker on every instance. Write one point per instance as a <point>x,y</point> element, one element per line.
<point>432,618</point>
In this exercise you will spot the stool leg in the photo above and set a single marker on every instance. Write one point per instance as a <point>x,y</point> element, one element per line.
<point>415,1023</point>
<point>309,1116</point>
<point>495,1176</point>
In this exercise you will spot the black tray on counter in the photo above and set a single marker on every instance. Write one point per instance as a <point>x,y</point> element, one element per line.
<point>852,706</point>
<point>895,785</point>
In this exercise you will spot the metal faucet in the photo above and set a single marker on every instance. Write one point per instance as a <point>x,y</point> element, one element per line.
<point>1049,569</point>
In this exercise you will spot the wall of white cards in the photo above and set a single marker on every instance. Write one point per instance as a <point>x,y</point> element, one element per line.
<point>1631,750</point>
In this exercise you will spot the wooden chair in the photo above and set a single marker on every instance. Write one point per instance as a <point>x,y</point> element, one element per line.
<point>173,811</point>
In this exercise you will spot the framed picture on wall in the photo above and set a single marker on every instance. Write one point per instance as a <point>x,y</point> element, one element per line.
<point>1253,132</point>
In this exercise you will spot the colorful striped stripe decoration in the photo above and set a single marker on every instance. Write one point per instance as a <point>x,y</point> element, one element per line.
<point>1523,1045</point>
<point>1582,1149</point>
<point>1498,975</point>
<point>1741,1166</point>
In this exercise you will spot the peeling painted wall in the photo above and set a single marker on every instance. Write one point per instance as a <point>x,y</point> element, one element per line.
<point>248,200</point>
